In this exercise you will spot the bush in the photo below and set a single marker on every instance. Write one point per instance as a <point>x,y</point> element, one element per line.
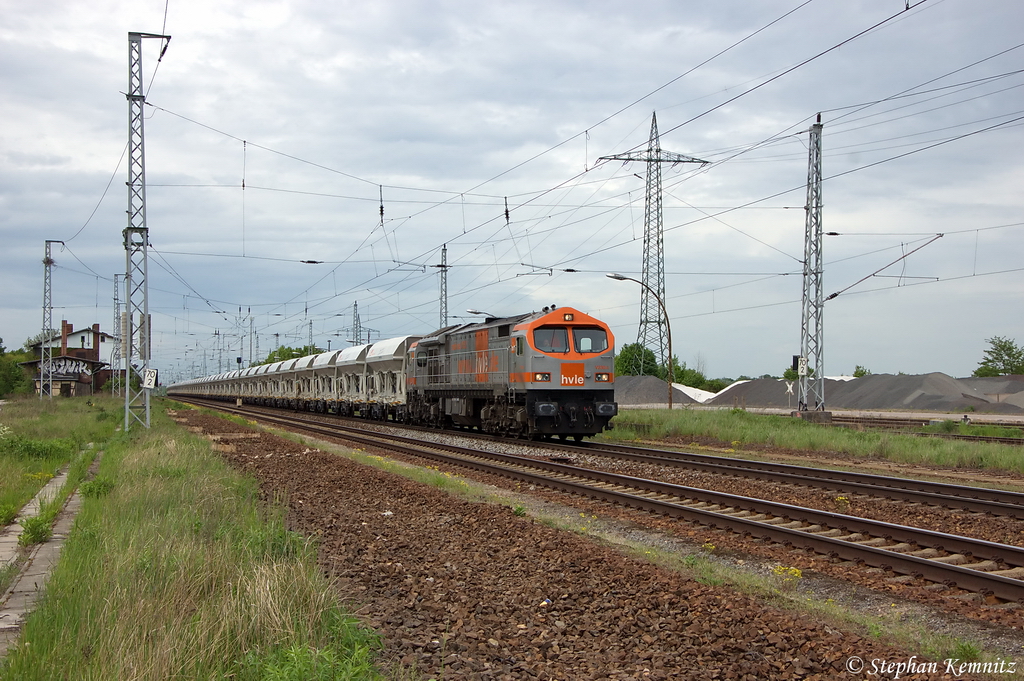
<point>100,487</point>
<point>40,449</point>
<point>7,514</point>
<point>35,530</point>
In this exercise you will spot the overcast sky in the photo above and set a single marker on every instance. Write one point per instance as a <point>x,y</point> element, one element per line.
<point>450,109</point>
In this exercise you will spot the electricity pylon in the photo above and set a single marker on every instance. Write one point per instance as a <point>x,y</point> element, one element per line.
<point>653,323</point>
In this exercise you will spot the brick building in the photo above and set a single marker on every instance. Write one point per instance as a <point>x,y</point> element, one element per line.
<point>80,360</point>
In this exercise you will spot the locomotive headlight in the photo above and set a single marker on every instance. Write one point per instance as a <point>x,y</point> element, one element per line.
<point>602,378</point>
<point>606,408</point>
<point>540,377</point>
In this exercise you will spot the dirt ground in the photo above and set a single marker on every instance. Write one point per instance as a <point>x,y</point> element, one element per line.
<point>463,590</point>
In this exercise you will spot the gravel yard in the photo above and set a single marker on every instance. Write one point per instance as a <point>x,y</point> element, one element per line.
<point>466,590</point>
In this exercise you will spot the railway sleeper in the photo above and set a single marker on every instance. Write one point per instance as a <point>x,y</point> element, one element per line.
<point>879,542</point>
<point>832,533</point>
<point>794,525</point>
<point>952,559</point>
<point>1012,573</point>
<point>902,547</point>
<point>924,553</point>
<point>982,566</point>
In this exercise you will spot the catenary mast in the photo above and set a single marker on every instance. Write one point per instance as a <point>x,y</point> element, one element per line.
<point>811,364</point>
<point>137,331</point>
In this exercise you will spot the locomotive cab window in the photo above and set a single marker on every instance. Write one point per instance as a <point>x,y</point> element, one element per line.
<point>590,339</point>
<point>551,339</point>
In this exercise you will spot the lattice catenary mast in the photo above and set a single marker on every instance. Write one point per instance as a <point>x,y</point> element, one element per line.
<point>653,324</point>
<point>137,330</point>
<point>46,349</point>
<point>115,354</point>
<point>811,362</point>
<point>443,267</point>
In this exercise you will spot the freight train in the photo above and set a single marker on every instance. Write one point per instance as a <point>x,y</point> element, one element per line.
<point>540,374</point>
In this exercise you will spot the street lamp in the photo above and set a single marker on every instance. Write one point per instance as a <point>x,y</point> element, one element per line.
<point>482,314</point>
<point>668,328</point>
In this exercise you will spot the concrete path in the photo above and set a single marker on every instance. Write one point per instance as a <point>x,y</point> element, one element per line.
<point>21,597</point>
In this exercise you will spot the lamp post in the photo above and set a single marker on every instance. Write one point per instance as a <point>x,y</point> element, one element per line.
<point>668,328</point>
<point>480,313</point>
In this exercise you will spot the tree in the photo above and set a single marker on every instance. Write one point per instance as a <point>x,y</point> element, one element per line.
<point>285,352</point>
<point>1003,357</point>
<point>859,371</point>
<point>791,374</point>
<point>38,338</point>
<point>634,355</point>
<point>13,378</point>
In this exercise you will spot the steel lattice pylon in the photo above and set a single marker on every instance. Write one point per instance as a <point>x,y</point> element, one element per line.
<point>444,285</point>
<point>357,328</point>
<point>653,323</point>
<point>136,329</point>
<point>46,349</point>
<point>812,369</point>
<point>115,354</point>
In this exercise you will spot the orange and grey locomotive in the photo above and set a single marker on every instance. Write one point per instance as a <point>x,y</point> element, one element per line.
<point>540,374</point>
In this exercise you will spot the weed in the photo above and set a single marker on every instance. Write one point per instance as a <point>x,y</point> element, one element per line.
<point>35,530</point>
<point>519,510</point>
<point>966,651</point>
<point>708,546</point>
<point>100,487</point>
<point>787,577</point>
<point>842,504</point>
<point>7,514</point>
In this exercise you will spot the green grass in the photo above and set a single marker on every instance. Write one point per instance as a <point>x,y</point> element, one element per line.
<point>972,430</point>
<point>174,569</point>
<point>737,427</point>
<point>39,437</point>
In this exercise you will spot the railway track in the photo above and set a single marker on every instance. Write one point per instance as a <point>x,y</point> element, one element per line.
<point>971,564</point>
<point>944,495</point>
<point>908,426</point>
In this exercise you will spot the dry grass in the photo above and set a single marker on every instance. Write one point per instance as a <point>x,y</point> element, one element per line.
<point>176,572</point>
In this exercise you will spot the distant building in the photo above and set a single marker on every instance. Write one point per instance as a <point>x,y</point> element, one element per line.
<point>78,359</point>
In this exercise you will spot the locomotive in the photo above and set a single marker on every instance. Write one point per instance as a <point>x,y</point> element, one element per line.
<point>540,374</point>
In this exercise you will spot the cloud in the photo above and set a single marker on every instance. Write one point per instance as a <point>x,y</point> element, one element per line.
<point>451,108</point>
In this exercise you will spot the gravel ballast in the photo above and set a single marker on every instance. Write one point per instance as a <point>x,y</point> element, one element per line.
<point>472,591</point>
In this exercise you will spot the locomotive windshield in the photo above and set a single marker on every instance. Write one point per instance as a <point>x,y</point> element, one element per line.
<point>551,339</point>
<point>556,339</point>
<point>590,339</point>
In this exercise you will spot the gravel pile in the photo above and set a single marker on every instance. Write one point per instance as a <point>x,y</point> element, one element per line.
<point>471,591</point>
<point>926,392</point>
<point>633,391</point>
